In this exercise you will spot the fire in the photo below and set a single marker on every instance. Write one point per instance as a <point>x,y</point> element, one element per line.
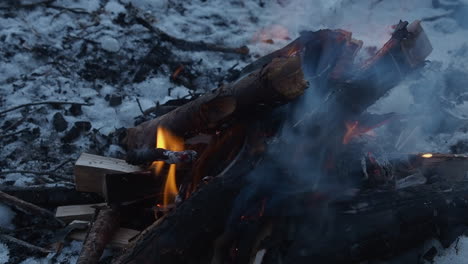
<point>427,155</point>
<point>352,130</point>
<point>166,140</point>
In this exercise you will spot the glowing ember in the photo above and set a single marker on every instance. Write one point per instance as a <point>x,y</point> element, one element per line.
<point>177,72</point>
<point>351,131</point>
<point>166,140</point>
<point>354,129</point>
<point>427,155</point>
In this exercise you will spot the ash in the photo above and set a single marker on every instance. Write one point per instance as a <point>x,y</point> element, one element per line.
<point>96,52</point>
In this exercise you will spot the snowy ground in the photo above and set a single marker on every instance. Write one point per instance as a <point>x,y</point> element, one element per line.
<point>94,52</point>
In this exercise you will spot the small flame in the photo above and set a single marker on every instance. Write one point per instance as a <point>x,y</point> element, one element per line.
<point>427,155</point>
<point>166,140</point>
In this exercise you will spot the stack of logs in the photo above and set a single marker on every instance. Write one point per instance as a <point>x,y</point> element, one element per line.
<point>226,131</point>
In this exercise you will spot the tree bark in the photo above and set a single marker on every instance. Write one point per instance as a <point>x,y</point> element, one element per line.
<point>31,209</point>
<point>99,235</point>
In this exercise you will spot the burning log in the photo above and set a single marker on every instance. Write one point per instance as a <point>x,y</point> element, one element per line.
<point>144,156</point>
<point>100,234</point>
<point>280,81</point>
<point>276,79</point>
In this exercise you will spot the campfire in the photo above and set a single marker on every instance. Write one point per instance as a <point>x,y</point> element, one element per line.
<point>282,165</point>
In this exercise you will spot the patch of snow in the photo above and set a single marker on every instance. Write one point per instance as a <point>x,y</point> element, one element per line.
<point>109,43</point>
<point>6,217</point>
<point>4,253</point>
<point>457,253</point>
<point>114,8</point>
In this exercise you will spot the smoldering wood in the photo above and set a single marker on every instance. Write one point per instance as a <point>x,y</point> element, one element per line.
<point>35,211</point>
<point>51,196</point>
<point>100,234</point>
<point>377,224</point>
<point>145,156</point>
<point>279,82</point>
<point>174,240</point>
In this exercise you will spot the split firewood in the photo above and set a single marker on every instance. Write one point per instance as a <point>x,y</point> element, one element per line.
<point>84,212</point>
<point>30,209</point>
<point>100,234</point>
<point>90,171</point>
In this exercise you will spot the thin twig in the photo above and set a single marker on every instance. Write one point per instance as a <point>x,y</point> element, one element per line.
<point>13,133</point>
<point>79,11</point>
<point>139,106</point>
<point>41,103</point>
<point>434,18</point>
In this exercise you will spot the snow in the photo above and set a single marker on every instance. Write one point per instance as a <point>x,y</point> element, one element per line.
<point>6,217</point>
<point>4,254</point>
<point>457,253</point>
<point>109,43</point>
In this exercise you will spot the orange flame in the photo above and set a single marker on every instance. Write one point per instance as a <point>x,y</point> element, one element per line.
<point>166,140</point>
<point>427,155</point>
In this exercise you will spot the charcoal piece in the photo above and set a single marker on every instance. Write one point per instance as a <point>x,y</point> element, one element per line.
<point>76,130</point>
<point>75,110</point>
<point>60,124</point>
<point>115,100</point>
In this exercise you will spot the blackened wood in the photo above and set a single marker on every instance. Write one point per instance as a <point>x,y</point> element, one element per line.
<point>99,235</point>
<point>189,230</point>
<point>51,196</point>
<point>31,209</point>
<point>377,224</point>
<point>125,187</point>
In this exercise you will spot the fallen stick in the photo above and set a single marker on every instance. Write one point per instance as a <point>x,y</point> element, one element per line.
<point>100,234</point>
<point>25,247</point>
<point>31,209</point>
<point>41,103</point>
<point>51,196</point>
